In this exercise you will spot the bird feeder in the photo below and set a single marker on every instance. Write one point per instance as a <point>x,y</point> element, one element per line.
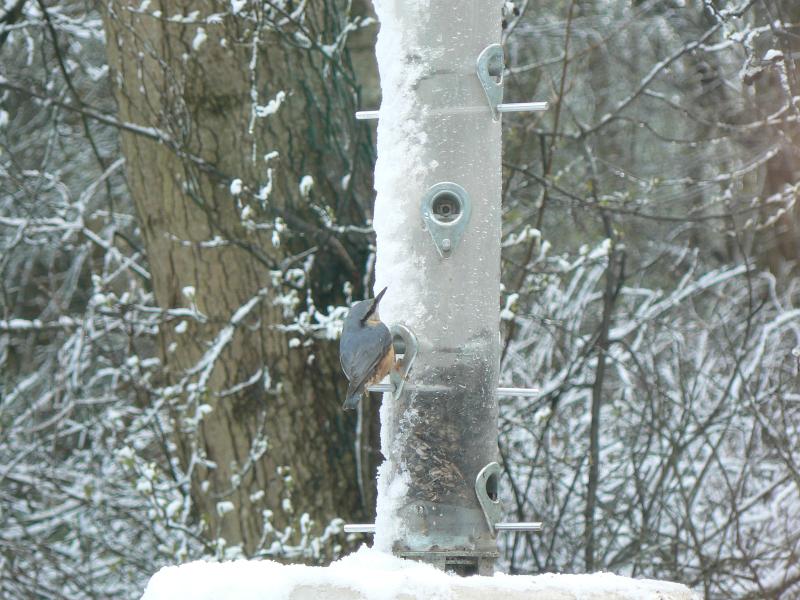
<point>438,227</point>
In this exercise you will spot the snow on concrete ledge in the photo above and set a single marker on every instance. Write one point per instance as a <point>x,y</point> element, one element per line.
<point>371,575</point>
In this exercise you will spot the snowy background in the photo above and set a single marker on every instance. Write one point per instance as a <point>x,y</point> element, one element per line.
<point>186,212</point>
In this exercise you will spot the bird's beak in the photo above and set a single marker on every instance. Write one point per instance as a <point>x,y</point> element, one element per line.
<point>373,309</point>
<point>378,298</point>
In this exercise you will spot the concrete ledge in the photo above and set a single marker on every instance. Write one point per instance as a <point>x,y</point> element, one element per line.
<point>372,575</point>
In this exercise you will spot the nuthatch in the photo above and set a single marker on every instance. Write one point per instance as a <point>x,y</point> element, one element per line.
<point>365,349</point>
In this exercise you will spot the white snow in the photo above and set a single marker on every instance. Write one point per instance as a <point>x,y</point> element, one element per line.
<point>507,314</point>
<point>266,190</point>
<point>236,187</point>
<point>199,38</point>
<point>773,54</point>
<point>224,507</point>
<point>399,131</point>
<point>306,183</point>
<point>272,106</point>
<point>369,574</point>
<point>391,496</point>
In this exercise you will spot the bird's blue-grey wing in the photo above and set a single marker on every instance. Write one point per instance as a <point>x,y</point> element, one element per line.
<point>360,357</point>
<point>350,353</point>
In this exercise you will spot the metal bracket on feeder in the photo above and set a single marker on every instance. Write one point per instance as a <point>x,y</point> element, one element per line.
<point>531,526</point>
<point>369,528</point>
<point>446,209</point>
<point>490,66</point>
<point>501,391</point>
<point>486,490</point>
<point>405,344</point>
<point>490,73</point>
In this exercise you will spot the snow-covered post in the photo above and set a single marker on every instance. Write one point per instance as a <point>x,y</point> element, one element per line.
<point>438,164</point>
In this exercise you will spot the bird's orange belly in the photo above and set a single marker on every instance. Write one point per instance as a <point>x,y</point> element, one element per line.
<point>384,367</point>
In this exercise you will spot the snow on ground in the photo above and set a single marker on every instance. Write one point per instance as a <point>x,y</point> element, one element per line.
<point>372,575</point>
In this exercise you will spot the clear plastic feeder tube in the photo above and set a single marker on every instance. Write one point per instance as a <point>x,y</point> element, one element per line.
<point>442,273</point>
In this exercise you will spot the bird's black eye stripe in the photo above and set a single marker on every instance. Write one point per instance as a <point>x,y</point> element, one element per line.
<point>374,305</point>
<point>369,314</point>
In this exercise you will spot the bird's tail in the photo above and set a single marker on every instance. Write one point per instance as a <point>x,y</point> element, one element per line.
<point>354,393</point>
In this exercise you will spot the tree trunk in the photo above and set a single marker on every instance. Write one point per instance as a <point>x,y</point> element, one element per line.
<point>775,87</point>
<point>228,227</point>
